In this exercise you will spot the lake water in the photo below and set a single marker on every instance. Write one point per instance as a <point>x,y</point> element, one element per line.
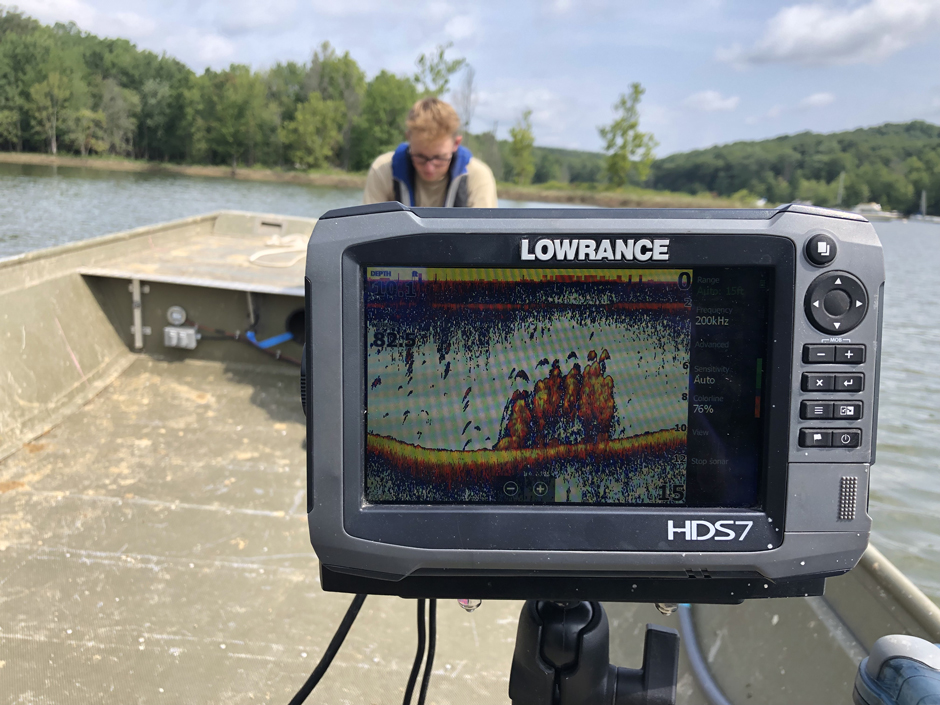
<point>43,206</point>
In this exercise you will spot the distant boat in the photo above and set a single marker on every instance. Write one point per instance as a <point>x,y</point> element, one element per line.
<point>922,216</point>
<point>873,212</point>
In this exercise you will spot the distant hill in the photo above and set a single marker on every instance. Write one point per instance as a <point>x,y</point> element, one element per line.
<point>890,164</point>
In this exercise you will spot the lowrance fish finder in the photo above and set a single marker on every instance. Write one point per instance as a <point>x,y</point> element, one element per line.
<point>629,405</point>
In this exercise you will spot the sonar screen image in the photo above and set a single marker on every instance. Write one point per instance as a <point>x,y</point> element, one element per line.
<point>526,385</point>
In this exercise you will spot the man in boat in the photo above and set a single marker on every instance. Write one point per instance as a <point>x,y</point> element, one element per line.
<point>432,168</point>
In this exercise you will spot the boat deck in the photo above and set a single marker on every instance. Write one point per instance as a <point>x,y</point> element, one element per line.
<point>155,549</point>
<point>217,261</point>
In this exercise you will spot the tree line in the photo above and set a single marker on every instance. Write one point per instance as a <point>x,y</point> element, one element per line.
<point>65,90</point>
<point>890,164</point>
<point>62,89</point>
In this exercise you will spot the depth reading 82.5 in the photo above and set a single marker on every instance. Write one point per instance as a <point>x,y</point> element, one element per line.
<point>393,339</point>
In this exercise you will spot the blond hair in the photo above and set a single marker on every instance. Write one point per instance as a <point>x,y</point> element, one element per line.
<point>432,119</point>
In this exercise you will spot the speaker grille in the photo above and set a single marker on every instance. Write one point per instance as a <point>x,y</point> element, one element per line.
<point>848,498</point>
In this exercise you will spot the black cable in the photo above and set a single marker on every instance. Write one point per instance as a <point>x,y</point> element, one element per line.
<point>331,651</point>
<point>419,656</point>
<point>432,641</point>
<point>700,669</point>
<point>225,335</point>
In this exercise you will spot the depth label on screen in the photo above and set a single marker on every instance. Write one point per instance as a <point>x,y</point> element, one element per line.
<point>596,250</point>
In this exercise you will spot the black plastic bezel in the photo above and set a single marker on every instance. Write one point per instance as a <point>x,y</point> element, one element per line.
<point>554,527</point>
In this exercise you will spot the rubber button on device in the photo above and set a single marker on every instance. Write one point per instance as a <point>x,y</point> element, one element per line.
<point>850,383</point>
<point>819,353</point>
<point>815,409</point>
<point>817,383</point>
<point>850,410</point>
<point>815,438</point>
<point>850,354</point>
<point>836,302</point>
<point>846,438</point>
<point>821,250</point>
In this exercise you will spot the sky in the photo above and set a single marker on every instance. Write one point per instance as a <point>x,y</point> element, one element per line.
<point>715,71</point>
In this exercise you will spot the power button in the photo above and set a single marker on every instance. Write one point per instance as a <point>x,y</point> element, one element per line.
<point>821,249</point>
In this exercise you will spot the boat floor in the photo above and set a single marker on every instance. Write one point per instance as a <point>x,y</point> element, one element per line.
<point>154,549</point>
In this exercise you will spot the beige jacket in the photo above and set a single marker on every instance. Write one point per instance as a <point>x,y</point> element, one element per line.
<point>481,186</point>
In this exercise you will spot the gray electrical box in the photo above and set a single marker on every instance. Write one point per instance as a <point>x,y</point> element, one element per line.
<point>180,337</point>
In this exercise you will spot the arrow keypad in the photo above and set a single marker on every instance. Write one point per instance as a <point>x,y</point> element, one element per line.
<point>836,302</point>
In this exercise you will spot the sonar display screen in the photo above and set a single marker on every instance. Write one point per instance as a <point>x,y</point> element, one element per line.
<point>538,386</point>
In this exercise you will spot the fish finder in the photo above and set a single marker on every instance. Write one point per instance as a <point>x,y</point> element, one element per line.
<point>636,405</point>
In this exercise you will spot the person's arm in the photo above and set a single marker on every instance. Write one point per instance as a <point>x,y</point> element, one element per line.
<point>481,185</point>
<point>379,181</point>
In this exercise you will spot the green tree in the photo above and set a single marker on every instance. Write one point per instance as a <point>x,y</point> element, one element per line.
<point>338,78</point>
<point>520,149</point>
<point>229,136</point>
<point>285,84</point>
<point>120,107</point>
<point>312,137</point>
<point>232,115</point>
<point>548,167</point>
<point>25,48</point>
<point>486,147</point>
<point>9,128</point>
<point>464,98</point>
<point>86,131</point>
<point>629,151</point>
<point>380,126</point>
<point>434,71</point>
<point>154,112</point>
<point>48,103</point>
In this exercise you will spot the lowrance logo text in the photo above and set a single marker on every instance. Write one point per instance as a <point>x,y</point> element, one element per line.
<point>701,530</point>
<point>596,250</point>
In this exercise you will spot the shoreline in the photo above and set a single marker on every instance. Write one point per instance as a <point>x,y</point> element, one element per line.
<point>511,192</point>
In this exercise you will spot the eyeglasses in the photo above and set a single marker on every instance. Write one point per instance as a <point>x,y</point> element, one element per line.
<point>437,159</point>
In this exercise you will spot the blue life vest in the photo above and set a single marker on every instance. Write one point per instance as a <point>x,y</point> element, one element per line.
<point>404,176</point>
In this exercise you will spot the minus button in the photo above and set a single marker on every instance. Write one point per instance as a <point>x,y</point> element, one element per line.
<point>819,354</point>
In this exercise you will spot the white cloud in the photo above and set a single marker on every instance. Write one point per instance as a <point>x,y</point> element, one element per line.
<point>437,10</point>
<point>132,24</point>
<point>121,23</point>
<point>213,48</point>
<point>711,101</point>
<point>461,27</point>
<point>344,8</point>
<point>817,100</point>
<point>243,16</point>
<point>822,34</point>
<point>200,49</point>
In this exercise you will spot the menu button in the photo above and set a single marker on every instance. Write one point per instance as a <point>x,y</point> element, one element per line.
<point>815,409</point>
